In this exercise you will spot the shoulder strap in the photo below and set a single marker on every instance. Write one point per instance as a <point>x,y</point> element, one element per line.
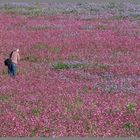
<point>11,54</point>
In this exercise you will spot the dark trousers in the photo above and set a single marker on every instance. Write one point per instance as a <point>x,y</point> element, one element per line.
<point>12,69</point>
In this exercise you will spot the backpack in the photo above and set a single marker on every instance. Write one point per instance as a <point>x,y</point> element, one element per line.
<point>8,62</point>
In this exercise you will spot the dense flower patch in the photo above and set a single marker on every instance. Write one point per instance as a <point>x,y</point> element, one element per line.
<point>94,90</point>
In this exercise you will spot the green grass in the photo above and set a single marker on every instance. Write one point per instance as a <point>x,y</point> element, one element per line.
<point>11,10</point>
<point>34,131</point>
<point>111,89</point>
<point>4,98</point>
<point>101,27</point>
<point>131,107</point>
<point>135,16</point>
<point>128,126</point>
<point>40,47</point>
<point>47,129</point>
<point>73,57</point>
<point>118,17</point>
<point>78,103</point>
<point>76,117</point>
<point>43,27</point>
<point>56,50</point>
<point>69,108</point>
<point>21,115</point>
<point>30,58</point>
<point>67,65</point>
<point>61,65</point>
<point>36,112</point>
<point>111,5</point>
<point>78,65</point>
<point>31,11</point>
<point>121,50</point>
<point>4,72</point>
<point>85,89</point>
<point>101,66</point>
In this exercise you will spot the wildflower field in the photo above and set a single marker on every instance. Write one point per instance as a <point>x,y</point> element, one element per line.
<point>79,74</point>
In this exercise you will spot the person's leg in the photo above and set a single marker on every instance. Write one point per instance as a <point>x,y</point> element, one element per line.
<point>14,69</point>
<point>10,70</point>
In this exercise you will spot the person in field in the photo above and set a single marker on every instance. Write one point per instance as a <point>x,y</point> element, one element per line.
<point>15,57</point>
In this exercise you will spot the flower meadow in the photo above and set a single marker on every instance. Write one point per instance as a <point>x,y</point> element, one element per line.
<point>79,74</point>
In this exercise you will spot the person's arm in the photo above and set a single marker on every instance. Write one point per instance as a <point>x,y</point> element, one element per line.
<point>10,56</point>
<point>18,57</point>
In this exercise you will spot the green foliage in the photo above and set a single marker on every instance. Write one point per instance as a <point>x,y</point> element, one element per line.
<point>56,49</point>
<point>36,112</point>
<point>76,117</point>
<point>103,66</point>
<point>23,71</point>
<point>40,46</point>
<point>21,115</point>
<point>118,17</point>
<point>73,57</point>
<point>4,72</point>
<point>78,65</point>
<point>101,27</point>
<point>111,5</point>
<point>30,58</point>
<point>32,11</point>
<point>78,102</point>
<point>11,10</point>
<point>47,129</point>
<point>34,131</point>
<point>36,11</point>
<point>120,49</point>
<point>111,88</point>
<point>100,66</point>
<point>69,108</point>
<point>43,27</point>
<point>128,126</point>
<point>4,98</point>
<point>131,107</point>
<point>85,89</point>
<point>135,16</point>
<point>62,65</point>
